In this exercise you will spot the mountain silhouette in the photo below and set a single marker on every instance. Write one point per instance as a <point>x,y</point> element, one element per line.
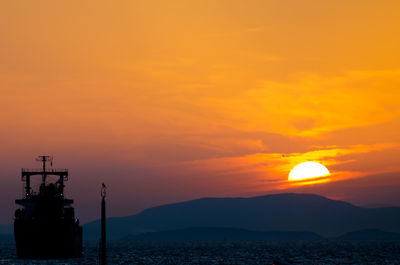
<point>216,233</point>
<point>370,234</point>
<point>284,212</point>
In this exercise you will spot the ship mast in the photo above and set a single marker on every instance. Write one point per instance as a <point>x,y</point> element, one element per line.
<point>44,159</point>
<point>27,173</point>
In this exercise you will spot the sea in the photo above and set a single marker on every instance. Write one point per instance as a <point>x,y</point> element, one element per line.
<point>228,252</point>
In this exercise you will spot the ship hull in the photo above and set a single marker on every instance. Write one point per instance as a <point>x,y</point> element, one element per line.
<point>56,239</point>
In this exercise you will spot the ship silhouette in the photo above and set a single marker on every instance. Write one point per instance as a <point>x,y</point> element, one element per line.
<point>45,227</point>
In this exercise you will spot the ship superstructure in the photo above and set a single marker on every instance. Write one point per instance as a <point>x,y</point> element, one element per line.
<point>45,227</point>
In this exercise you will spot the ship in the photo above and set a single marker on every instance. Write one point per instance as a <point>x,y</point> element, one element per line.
<point>45,226</point>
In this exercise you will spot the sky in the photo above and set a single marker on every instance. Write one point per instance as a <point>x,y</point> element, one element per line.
<point>166,101</point>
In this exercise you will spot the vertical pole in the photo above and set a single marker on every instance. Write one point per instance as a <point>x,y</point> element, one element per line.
<point>103,226</point>
<point>28,185</point>
<point>44,169</point>
<point>44,163</point>
<point>61,180</point>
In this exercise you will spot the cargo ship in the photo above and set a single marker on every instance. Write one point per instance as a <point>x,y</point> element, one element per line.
<point>45,226</point>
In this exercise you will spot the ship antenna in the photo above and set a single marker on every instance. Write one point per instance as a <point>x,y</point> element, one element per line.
<point>44,159</point>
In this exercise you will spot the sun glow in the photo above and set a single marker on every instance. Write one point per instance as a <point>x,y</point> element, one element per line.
<point>308,170</point>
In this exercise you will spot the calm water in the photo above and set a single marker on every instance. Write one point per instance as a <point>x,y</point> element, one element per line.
<point>247,252</point>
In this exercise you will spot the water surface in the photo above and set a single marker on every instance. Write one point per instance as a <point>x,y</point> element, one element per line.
<point>230,252</point>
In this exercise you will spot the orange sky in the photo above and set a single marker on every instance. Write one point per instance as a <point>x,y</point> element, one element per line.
<point>174,100</point>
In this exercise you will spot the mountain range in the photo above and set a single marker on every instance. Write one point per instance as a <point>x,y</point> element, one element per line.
<point>212,233</point>
<point>278,212</point>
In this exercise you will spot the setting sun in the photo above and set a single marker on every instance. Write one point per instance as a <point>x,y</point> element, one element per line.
<point>308,170</point>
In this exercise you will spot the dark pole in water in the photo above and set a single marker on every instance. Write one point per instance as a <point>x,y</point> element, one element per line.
<point>103,226</point>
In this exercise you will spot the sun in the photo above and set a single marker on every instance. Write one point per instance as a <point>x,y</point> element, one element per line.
<point>308,170</point>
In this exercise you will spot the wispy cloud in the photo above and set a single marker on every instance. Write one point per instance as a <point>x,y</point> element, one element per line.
<point>270,170</point>
<point>314,104</point>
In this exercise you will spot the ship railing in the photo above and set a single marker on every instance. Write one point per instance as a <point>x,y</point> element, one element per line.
<point>50,170</point>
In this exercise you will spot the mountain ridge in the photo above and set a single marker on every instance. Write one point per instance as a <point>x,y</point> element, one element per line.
<point>370,234</point>
<point>212,233</point>
<point>285,212</point>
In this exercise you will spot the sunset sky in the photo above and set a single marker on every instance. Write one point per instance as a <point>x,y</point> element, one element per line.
<point>167,101</point>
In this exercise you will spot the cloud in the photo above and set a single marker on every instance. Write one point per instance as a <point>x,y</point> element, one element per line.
<point>374,190</point>
<point>313,104</point>
<point>269,171</point>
